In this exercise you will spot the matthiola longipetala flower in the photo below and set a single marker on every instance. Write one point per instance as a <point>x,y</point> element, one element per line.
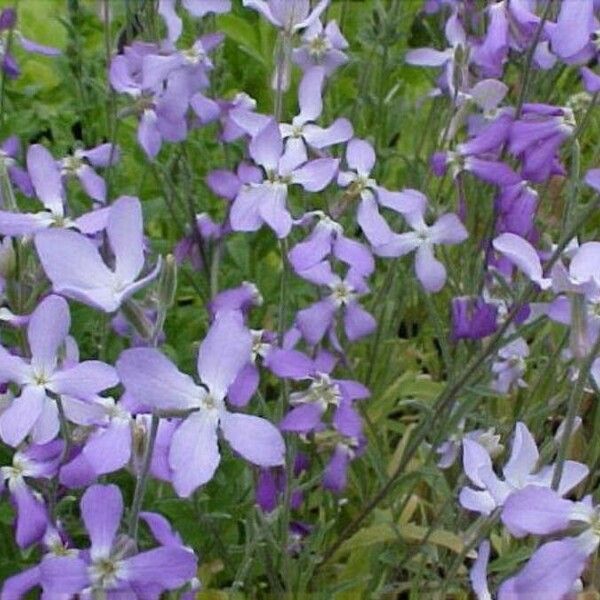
<point>448,229</point>
<point>112,565</point>
<point>34,411</point>
<point>81,165</point>
<point>194,452</point>
<point>321,47</point>
<point>45,176</point>
<point>76,268</point>
<point>521,470</point>
<point>311,408</point>
<point>35,462</point>
<point>266,201</point>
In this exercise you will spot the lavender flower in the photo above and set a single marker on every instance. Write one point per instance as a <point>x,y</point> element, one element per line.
<point>448,229</point>
<point>77,270</point>
<point>519,472</point>
<point>555,566</point>
<point>321,47</point>
<point>265,202</point>
<point>111,564</point>
<point>80,164</point>
<point>34,412</point>
<point>194,453</point>
<point>35,462</point>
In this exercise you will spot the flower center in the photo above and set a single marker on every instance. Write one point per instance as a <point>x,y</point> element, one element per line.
<point>104,572</point>
<point>342,294</point>
<point>193,56</point>
<point>318,46</point>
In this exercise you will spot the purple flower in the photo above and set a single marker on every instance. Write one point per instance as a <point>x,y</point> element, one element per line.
<point>537,136</point>
<point>34,411</point>
<point>107,449</point>
<point>46,179</point>
<point>80,165</point>
<point>520,471</point>
<point>77,270</point>
<point>161,112</point>
<point>345,436</point>
<point>286,15</point>
<point>321,47</point>
<point>429,57</point>
<point>327,239</point>
<point>524,256</point>
<point>194,453</point>
<point>360,157</point>
<point>265,202</point>
<point>448,229</point>
<point>111,563</point>
<point>302,132</point>
<point>36,462</point>
<point>473,318</point>
<point>316,320</point>
<point>554,567</point>
<point>510,366</point>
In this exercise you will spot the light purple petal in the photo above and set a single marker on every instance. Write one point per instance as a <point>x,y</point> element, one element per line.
<point>48,327</point>
<point>84,379</point>
<point>266,147</point>
<point>427,57</point>
<point>101,511</point>
<point>289,363</point>
<point>358,322</point>
<point>360,156</point>
<point>536,510</point>
<point>550,573</point>
<point>32,518</point>
<point>318,137</point>
<point>126,236</point>
<point>194,454</point>
<point>245,215</point>
<point>169,566</point>
<point>12,368</point>
<point>45,177</point>
<point>92,183</point>
<point>63,575</point>
<point>524,455</point>
<point>309,95</point>
<point>109,449</point>
<point>74,265</point>
<point>256,439</point>
<point>478,573</point>
<point>523,255</point>
<point>316,175</point>
<point>448,229</point>
<point>20,417</point>
<point>17,586</point>
<point>154,380</point>
<point>374,226</point>
<point>315,320</point>
<point>244,386</point>
<point>148,134</point>
<point>430,271</point>
<point>225,350</point>
<point>303,418</point>
<point>273,210</point>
